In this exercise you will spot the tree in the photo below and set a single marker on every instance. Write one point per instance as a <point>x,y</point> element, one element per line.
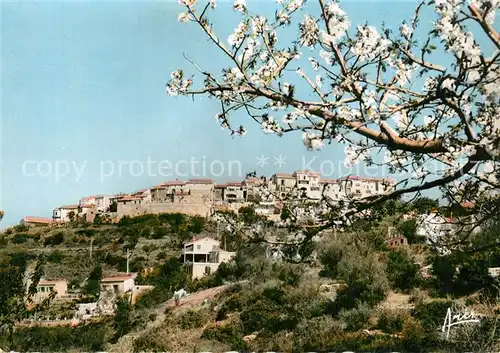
<point>122,322</point>
<point>17,294</point>
<point>424,205</point>
<point>93,285</point>
<point>402,272</point>
<point>442,131</point>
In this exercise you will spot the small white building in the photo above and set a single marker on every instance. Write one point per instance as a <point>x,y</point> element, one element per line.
<point>119,285</point>
<point>203,256</point>
<point>65,213</point>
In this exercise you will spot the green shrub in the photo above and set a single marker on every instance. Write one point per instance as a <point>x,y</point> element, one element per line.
<point>54,240</point>
<point>230,334</point>
<point>91,337</point>
<point>391,321</point>
<point>193,319</point>
<point>357,318</point>
<point>402,272</point>
<point>431,315</point>
<point>121,321</point>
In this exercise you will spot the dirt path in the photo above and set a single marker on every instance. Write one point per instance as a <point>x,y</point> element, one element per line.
<point>125,343</point>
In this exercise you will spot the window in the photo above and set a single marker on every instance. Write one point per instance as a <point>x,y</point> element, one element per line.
<point>198,246</point>
<point>207,270</point>
<point>282,182</point>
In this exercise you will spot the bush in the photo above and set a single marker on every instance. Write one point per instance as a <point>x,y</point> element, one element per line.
<point>357,318</point>
<point>402,272</point>
<point>20,238</point>
<point>431,315</point>
<point>391,321</point>
<point>193,319</point>
<point>230,334</point>
<point>121,322</point>
<point>54,240</point>
<point>20,228</point>
<point>55,257</point>
<point>91,337</point>
<point>316,334</point>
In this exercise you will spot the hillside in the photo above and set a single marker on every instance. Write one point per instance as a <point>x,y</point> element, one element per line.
<point>151,240</point>
<point>358,294</point>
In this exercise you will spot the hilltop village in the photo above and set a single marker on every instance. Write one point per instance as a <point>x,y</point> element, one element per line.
<point>203,197</point>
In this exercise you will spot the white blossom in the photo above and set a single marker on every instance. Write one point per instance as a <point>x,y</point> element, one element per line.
<point>314,63</point>
<point>238,35</point>
<point>183,17</point>
<point>338,24</point>
<point>189,3</point>
<point>295,5</point>
<point>369,44</point>
<point>319,81</point>
<point>430,84</point>
<point>312,141</point>
<point>308,31</point>
<point>240,5</point>
<point>353,155</point>
<point>405,30</point>
<point>327,56</point>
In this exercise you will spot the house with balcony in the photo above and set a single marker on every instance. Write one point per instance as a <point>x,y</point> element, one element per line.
<point>202,256</point>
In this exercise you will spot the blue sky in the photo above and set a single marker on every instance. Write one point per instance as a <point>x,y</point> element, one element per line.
<point>83,85</point>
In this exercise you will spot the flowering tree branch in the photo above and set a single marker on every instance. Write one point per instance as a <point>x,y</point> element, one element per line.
<point>367,88</point>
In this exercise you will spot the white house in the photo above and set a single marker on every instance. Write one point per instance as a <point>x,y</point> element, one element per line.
<point>64,213</point>
<point>119,285</point>
<point>203,255</point>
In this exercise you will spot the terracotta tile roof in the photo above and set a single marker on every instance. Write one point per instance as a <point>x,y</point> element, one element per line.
<point>156,187</point>
<point>307,172</point>
<point>285,175</point>
<point>174,183</point>
<point>220,186</point>
<point>235,183</point>
<point>50,281</point>
<point>69,207</point>
<point>200,181</point>
<point>87,206</point>
<point>38,220</point>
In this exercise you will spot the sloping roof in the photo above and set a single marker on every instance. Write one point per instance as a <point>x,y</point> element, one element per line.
<point>220,186</point>
<point>38,220</point>
<point>196,239</point>
<point>307,172</point>
<point>200,181</point>
<point>235,183</point>
<point>174,183</point>
<point>69,207</point>
<point>285,175</point>
<point>50,281</point>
